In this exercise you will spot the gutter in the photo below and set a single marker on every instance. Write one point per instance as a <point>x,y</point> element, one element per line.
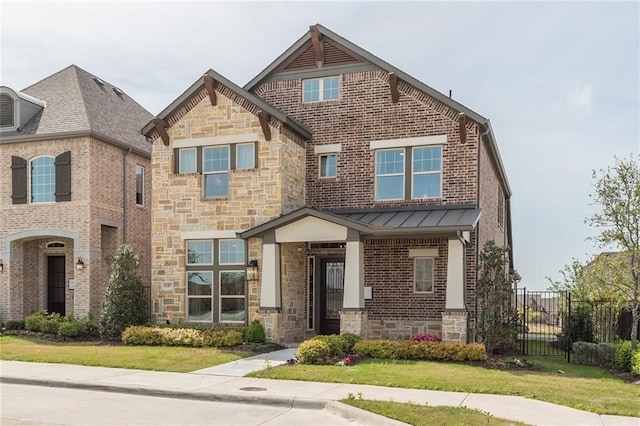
<point>124,195</point>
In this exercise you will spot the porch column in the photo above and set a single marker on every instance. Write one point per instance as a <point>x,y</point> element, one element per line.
<point>354,276</point>
<point>270,280</point>
<point>455,276</point>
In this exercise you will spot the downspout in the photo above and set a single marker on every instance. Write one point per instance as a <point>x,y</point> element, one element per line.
<point>124,196</point>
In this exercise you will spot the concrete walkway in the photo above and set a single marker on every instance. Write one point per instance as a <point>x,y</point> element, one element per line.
<point>225,383</point>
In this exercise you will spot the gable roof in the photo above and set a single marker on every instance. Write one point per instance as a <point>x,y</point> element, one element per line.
<point>358,52</point>
<point>252,99</point>
<point>79,103</point>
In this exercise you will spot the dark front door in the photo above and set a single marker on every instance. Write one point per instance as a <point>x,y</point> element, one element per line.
<point>55,284</point>
<point>331,290</point>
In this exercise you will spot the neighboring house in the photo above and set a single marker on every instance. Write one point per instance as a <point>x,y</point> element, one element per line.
<point>358,194</point>
<point>75,184</point>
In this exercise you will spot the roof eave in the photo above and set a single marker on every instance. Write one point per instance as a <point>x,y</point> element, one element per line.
<point>495,152</point>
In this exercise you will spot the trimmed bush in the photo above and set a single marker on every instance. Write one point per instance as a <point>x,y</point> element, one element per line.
<point>624,354</point>
<point>14,325</point>
<point>313,351</point>
<point>337,344</point>
<point>69,328</point>
<point>602,354</point>
<point>139,335</point>
<point>222,338</point>
<point>34,321</point>
<point>144,335</point>
<point>422,337</point>
<point>434,351</point>
<point>256,333</point>
<point>635,363</point>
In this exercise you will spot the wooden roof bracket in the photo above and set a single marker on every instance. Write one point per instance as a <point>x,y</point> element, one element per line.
<point>210,85</point>
<point>317,47</point>
<point>161,127</point>
<point>393,85</point>
<point>462,122</point>
<point>264,119</point>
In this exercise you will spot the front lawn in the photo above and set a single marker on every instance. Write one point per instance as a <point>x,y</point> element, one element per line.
<point>159,358</point>
<point>586,388</point>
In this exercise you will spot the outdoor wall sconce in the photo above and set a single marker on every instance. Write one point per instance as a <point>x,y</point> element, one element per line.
<point>79,264</point>
<point>1,266</point>
<point>252,270</point>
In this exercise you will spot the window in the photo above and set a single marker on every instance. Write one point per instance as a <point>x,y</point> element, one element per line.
<point>320,89</point>
<point>328,165</point>
<point>139,185</point>
<point>390,174</point>
<point>187,160</point>
<point>392,168</point>
<point>423,274</point>
<point>43,180</point>
<point>216,282</point>
<point>216,171</point>
<point>245,156</point>
<point>427,168</point>
<point>7,111</point>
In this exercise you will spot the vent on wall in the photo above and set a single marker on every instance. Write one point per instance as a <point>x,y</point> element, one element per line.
<point>55,245</point>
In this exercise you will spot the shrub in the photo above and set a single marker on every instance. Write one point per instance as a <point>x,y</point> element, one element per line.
<point>337,345</point>
<point>139,335</point>
<point>69,328</point>
<point>14,325</point>
<point>173,336</point>
<point>635,363</point>
<point>422,337</point>
<point>594,353</point>
<point>624,355</point>
<point>89,327</point>
<point>351,340</point>
<point>125,303</point>
<point>255,333</point>
<point>34,321</point>
<point>313,351</point>
<point>224,337</point>
<point>435,351</point>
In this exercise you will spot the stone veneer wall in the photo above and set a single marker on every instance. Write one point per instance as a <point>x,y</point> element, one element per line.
<point>454,327</point>
<point>255,196</point>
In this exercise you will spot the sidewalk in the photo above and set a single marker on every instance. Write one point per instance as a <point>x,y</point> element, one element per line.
<point>225,383</point>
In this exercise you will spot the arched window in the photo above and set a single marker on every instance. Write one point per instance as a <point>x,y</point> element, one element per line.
<point>7,107</point>
<point>43,180</point>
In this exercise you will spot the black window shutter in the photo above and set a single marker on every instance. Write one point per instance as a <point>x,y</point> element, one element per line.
<point>176,160</point>
<point>63,177</point>
<point>199,159</point>
<point>18,180</point>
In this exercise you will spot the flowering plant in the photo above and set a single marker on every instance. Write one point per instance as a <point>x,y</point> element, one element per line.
<point>423,337</point>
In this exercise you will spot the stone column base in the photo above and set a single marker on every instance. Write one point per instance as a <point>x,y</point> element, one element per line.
<point>271,319</point>
<point>454,326</point>
<point>353,322</point>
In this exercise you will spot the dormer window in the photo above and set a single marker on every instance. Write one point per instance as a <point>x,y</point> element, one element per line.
<point>7,111</point>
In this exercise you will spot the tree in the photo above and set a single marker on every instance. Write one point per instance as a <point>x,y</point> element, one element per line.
<point>617,194</point>
<point>495,323</point>
<point>125,302</point>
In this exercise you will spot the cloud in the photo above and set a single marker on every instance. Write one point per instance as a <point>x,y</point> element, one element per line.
<point>580,99</point>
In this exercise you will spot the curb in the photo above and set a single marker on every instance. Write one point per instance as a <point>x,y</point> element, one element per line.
<point>335,407</point>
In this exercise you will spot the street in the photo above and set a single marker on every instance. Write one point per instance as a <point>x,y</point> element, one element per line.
<point>43,405</point>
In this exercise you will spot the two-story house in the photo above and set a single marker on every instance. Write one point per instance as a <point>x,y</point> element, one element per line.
<point>75,184</point>
<point>357,196</point>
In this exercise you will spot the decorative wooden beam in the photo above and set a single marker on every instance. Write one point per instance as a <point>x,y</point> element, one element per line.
<point>393,84</point>
<point>462,122</point>
<point>210,85</point>
<point>161,127</point>
<point>264,119</point>
<point>315,40</point>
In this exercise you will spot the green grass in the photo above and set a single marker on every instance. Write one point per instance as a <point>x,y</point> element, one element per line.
<point>583,387</point>
<point>159,358</point>
<point>422,415</point>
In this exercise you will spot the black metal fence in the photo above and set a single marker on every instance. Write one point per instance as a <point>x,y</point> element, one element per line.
<point>550,322</point>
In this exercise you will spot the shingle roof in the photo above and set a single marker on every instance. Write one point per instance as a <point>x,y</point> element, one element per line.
<point>77,101</point>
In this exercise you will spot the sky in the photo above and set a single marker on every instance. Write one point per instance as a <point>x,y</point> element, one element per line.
<point>560,82</point>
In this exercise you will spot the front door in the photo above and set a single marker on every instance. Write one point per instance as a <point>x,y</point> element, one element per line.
<point>55,284</point>
<point>331,294</point>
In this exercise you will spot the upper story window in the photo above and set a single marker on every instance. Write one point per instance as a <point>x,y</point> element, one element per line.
<point>320,89</point>
<point>216,171</point>
<point>328,165</point>
<point>7,111</point>
<point>245,156</point>
<point>408,172</point>
<point>43,180</point>
<point>139,185</point>
<point>187,161</point>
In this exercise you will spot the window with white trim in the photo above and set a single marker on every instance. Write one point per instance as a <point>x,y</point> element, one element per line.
<point>215,168</point>
<point>43,180</point>
<point>187,160</point>
<point>408,173</point>
<point>216,282</point>
<point>423,274</point>
<point>139,185</point>
<point>328,165</point>
<point>320,89</point>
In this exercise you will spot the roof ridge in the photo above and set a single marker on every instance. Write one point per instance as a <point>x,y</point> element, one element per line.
<point>82,94</point>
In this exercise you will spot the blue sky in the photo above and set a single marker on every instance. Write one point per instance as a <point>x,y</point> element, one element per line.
<point>559,81</point>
